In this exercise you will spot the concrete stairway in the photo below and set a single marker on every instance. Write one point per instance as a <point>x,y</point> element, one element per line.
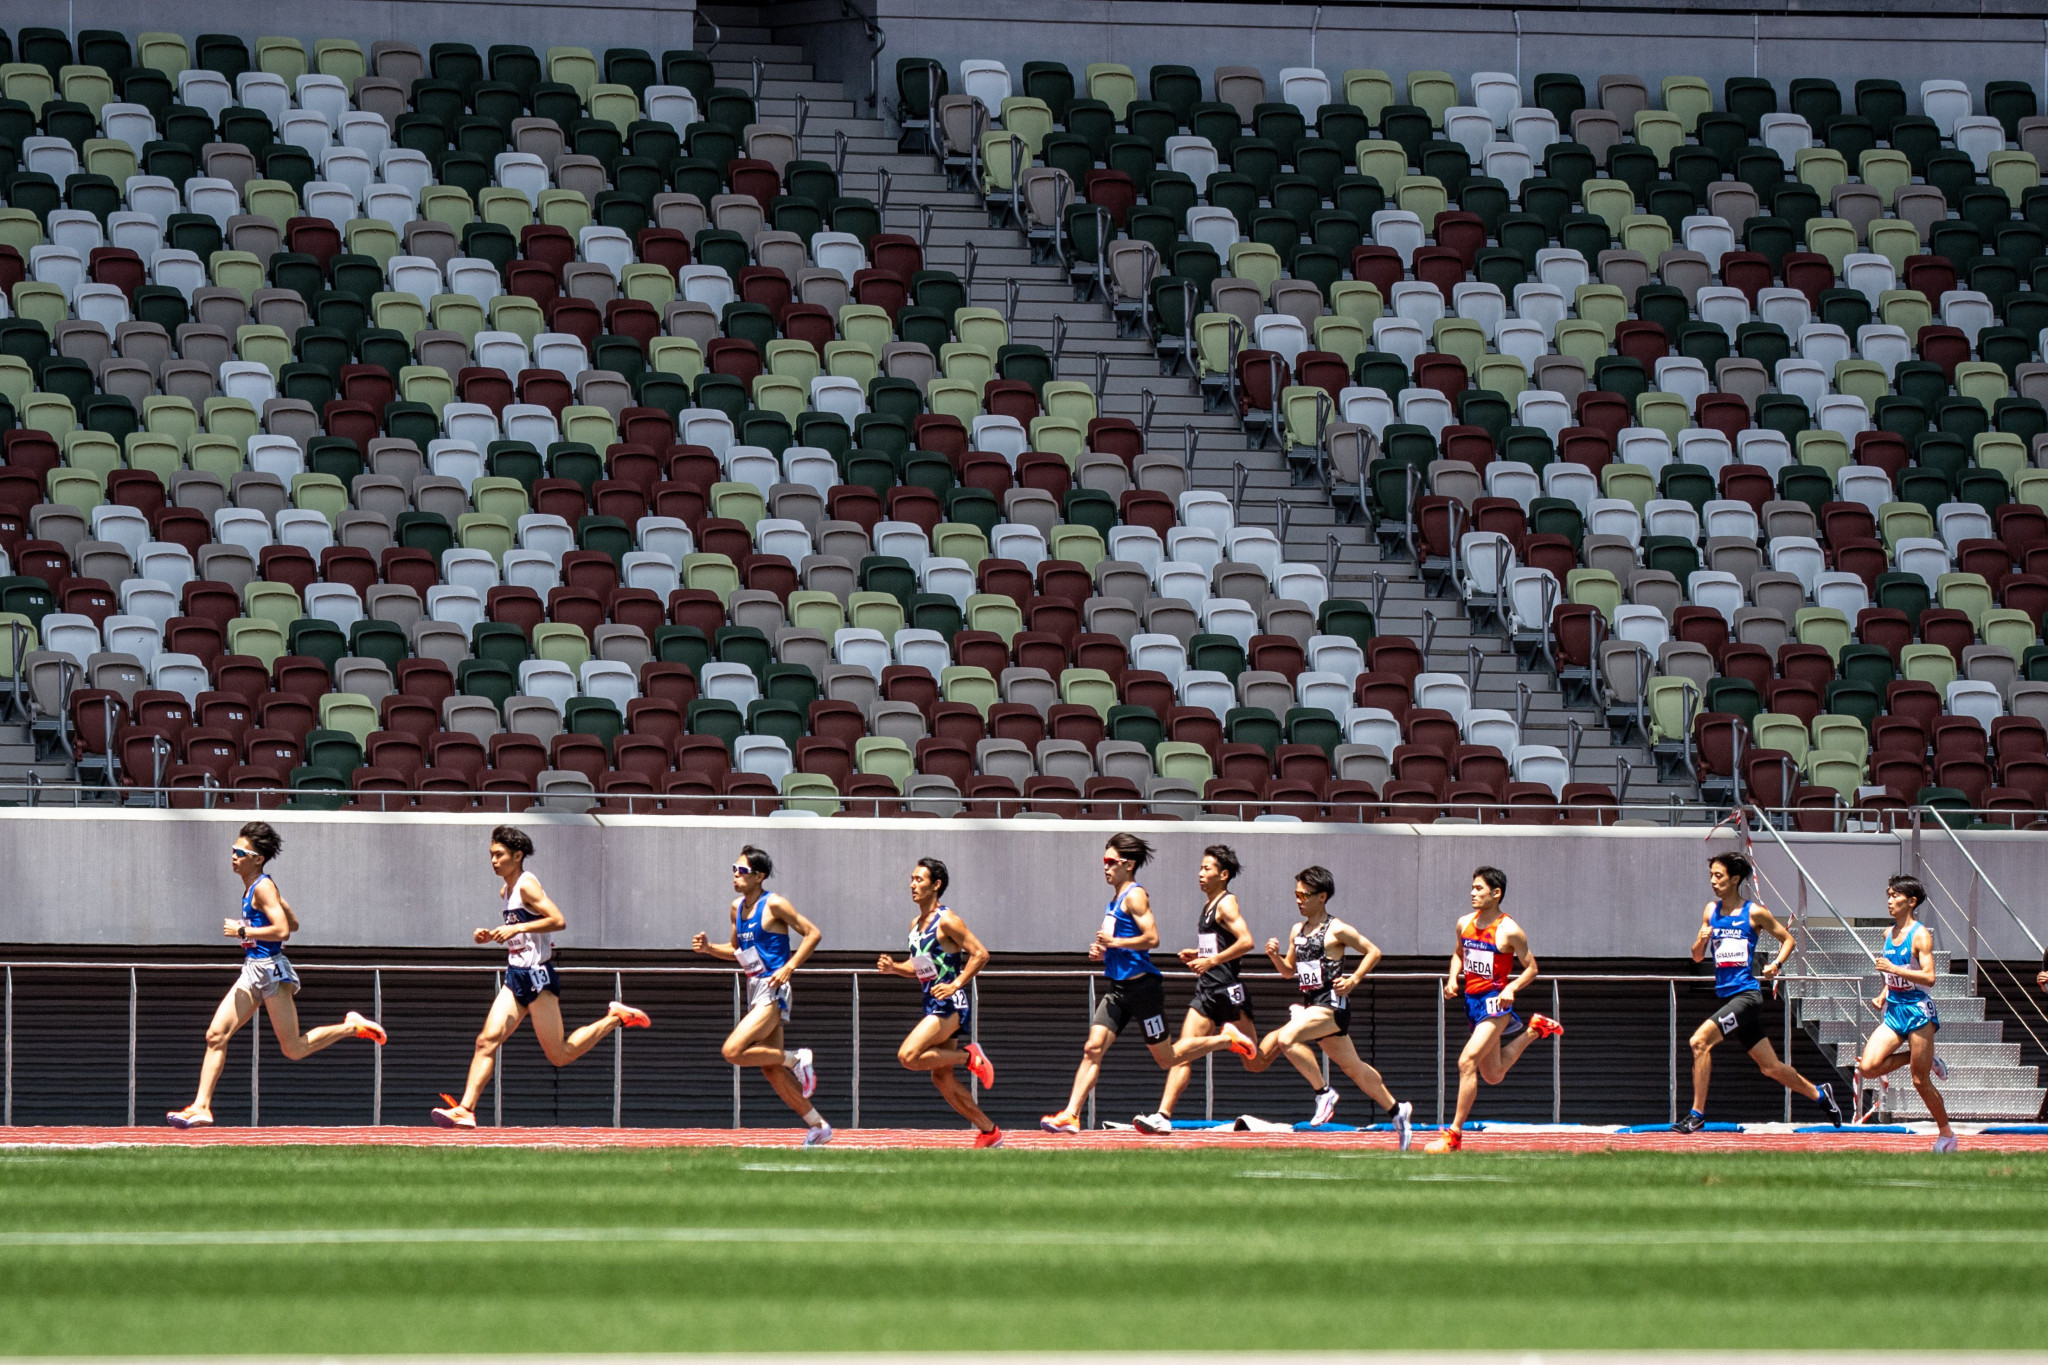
<point>1985,1077</point>
<point>1225,460</point>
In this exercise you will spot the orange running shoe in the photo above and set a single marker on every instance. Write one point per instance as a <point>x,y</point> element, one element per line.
<point>992,1138</point>
<point>1543,1026</point>
<point>191,1116</point>
<point>1240,1042</point>
<point>629,1017</point>
<point>1450,1140</point>
<point>367,1028</point>
<point>1060,1123</point>
<point>980,1067</point>
<point>454,1116</point>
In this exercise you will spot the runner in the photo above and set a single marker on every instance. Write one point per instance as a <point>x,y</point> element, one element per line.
<point>263,927</point>
<point>1221,939</point>
<point>1488,945</point>
<point>944,957</point>
<point>1315,959</point>
<point>1729,928</point>
<point>532,984</point>
<point>1132,988</point>
<point>1907,967</point>
<point>762,922</point>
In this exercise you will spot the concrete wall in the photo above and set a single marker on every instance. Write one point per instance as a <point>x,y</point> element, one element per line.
<point>1974,43</point>
<point>596,24</point>
<point>423,881</point>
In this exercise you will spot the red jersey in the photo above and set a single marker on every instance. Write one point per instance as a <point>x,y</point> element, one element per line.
<point>1487,963</point>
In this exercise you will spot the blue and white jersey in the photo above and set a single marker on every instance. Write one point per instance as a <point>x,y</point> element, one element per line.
<point>760,951</point>
<point>1122,964</point>
<point>1898,990</point>
<point>256,919</point>
<point>1733,939</point>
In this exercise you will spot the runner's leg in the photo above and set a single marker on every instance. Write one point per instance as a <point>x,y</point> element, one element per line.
<point>547,1027</point>
<point>1196,1025</point>
<point>1295,1037</point>
<point>1511,1052</point>
<point>1881,1054</point>
<point>1481,1055</point>
<point>1922,1044</point>
<point>499,1024</point>
<point>929,1046</point>
<point>284,1022</point>
<point>234,1011</point>
<point>1767,1062</point>
<point>1362,1073</point>
<point>757,1039</point>
<point>1705,1039</point>
<point>1092,1053</point>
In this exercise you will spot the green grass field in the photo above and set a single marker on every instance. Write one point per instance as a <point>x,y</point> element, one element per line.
<point>296,1250</point>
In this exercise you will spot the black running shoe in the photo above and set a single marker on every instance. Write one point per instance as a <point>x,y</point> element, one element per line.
<point>1691,1123</point>
<point>1826,1100</point>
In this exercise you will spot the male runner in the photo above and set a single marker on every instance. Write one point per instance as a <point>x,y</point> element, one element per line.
<point>762,922</point>
<point>532,983</point>
<point>1488,945</point>
<point>1729,928</point>
<point>1315,959</point>
<point>1132,988</point>
<point>1907,967</point>
<point>1221,938</point>
<point>265,923</point>
<point>944,957</point>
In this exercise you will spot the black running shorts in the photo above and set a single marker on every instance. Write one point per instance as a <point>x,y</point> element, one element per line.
<point>1221,999</point>
<point>1140,998</point>
<point>1741,1018</point>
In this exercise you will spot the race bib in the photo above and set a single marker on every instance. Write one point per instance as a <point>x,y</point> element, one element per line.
<point>925,968</point>
<point>1898,983</point>
<point>1236,994</point>
<point>750,961</point>
<point>1478,961</point>
<point>1494,1005</point>
<point>1109,925</point>
<point>1205,944</point>
<point>1731,952</point>
<point>1308,974</point>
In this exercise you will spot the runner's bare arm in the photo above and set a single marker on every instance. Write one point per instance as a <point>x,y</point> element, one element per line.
<point>1764,922</point>
<point>547,916</point>
<point>1517,943</point>
<point>785,914</point>
<point>1922,972</point>
<point>272,905</point>
<point>954,931</point>
<point>1231,917</point>
<point>1455,977</point>
<point>1369,955</point>
<point>1700,940</point>
<point>1139,907</point>
<point>728,950</point>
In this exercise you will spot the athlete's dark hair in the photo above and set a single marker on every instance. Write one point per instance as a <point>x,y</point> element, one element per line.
<point>940,879</point>
<point>1494,878</point>
<point>1735,865</point>
<point>1226,858</point>
<point>1130,848</point>
<point>1318,880</point>
<point>515,840</point>
<point>1907,886</point>
<point>265,840</point>
<point>758,859</point>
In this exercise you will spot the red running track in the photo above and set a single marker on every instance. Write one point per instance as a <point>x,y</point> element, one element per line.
<point>900,1139</point>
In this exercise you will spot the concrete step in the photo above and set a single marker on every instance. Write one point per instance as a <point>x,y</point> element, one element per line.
<point>1969,1106</point>
<point>2002,1057</point>
<point>1836,1031</point>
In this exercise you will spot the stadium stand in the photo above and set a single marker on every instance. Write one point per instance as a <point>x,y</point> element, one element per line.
<point>390,427</point>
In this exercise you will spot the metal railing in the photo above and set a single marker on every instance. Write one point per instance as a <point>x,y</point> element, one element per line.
<point>1446,1066</point>
<point>1184,803</point>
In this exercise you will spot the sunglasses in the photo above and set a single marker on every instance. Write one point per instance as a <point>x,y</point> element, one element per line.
<point>1111,860</point>
<point>241,853</point>
<point>743,869</point>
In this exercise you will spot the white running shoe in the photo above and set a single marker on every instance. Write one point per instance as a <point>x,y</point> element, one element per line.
<point>1404,1126</point>
<point>806,1074</point>
<point>1154,1123</point>
<point>1940,1068</point>
<point>1326,1105</point>
<point>819,1136</point>
<point>1945,1143</point>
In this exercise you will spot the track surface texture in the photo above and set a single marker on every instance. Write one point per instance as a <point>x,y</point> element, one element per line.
<point>547,1242</point>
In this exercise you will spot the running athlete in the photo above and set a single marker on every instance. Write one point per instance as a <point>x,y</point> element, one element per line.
<point>1907,966</point>
<point>1729,928</point>
<point>1132,987</point>
<point>944,957</point>
<point>264,925</point>
<point>762,921</point>
<point>1315,959</point>
<point>533,985</point>
<point>1488,946</point>
<point>1221,938</point>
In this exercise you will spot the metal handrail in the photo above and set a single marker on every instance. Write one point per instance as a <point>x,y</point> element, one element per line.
<point>1983,876</point>
<point>880,40</point>
<point>1770,827</point>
